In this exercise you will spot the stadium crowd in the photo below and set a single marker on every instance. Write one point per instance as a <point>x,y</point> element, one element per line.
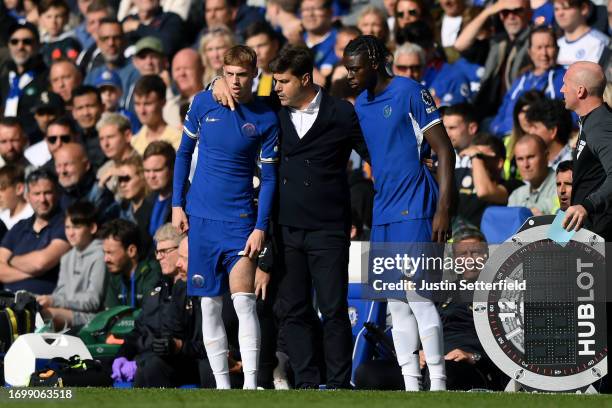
<point>93,100</point>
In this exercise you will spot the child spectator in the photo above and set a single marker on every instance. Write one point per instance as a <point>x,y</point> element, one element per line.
<point>12,201</point>
<point>56,43</point>
<point>80,286</point>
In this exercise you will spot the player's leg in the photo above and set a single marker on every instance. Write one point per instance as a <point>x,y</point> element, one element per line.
<point>205,279</point>
<point>327,253</point>
<point>406,341</point>
<point>241,281</point>
<point>430,331</point>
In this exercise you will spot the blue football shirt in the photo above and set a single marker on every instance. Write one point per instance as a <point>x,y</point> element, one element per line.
<point>230,142</point>
<point>393,123</point>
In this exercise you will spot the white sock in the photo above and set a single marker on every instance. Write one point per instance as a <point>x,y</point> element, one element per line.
<point>430,330</point>
<point>215,340</point>
<point>406,341</point>
<point>249,336</point>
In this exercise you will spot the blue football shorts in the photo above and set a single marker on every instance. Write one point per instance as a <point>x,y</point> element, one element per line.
<point>214,248</point>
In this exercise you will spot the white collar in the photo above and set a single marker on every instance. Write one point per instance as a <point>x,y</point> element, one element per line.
<point>313,106</point>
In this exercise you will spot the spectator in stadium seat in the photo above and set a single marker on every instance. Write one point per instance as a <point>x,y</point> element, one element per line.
<point>24,77</point>
<point>30,252</point>
<point>106,53</point>
<point>283,15</point>
<point>212,47</point>
<point>13,142</point>
<point>507,53</point>
<point>131,275</point>
<point>48,107</point>
<point>233,14</point>
<point>64,77</point>
<point>410,11</point>
<point>158,162</point>
<point>479,181</point>
<point>149,59</point>
<point>455,15</point>
<point>136,205</point>
<point>80,287</point>
<point>372,21</point>
<point>188,76</point>
<point>550,120</point>
<point>78,181</point>
<point>409,61</point>
<point>115,136</point>
<point>93,11</point>
<point>87,109</point>
<point>264,41</point>
<point>111,91</point>
<point>345,35</point>
<point>545,76</point>
<point>152,20</point>
<point>579,42</point>
<point>12,196</point>
<point>540,194</point>
<point>164,348</point>
<point>59,132</point>
<point>564,174</point>
<point>56,41</point>
<point>319,36</point>
<point>149,101</point>
<point>461,127</point>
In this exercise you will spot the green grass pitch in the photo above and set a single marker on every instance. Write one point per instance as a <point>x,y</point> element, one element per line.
<point>171,398</point>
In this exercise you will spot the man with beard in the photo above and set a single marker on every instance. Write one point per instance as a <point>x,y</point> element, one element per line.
<point>30,252</point>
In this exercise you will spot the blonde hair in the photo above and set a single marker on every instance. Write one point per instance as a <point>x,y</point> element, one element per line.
<point>607,95</point>
<point>381,15</point>
<point>219,32</point>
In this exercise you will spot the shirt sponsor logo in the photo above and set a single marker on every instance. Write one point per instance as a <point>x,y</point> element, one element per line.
<point>209,119</point>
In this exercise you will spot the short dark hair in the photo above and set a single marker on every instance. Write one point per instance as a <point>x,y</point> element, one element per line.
<point>418,32</point>
<point>82,213</point>
<point>566,165</point>
<point>464,109</point>
<point>111,20</point>
<point>552,114</point>
<point>290,6</point>
<point>45,5</point>
<point>150,83</point>
<point>99,5</point>
<point>543,29</point>
<point>11,121</point>
<point>485,139</point>
<point>161,148</point>
<point>261,27</point>
<point>41,174</point>
<point>64,121</point>
<point>86,90</point>
<point>297,59</point>
<point>351,30</point>
<point>11,175</point>
<point>123,231</point>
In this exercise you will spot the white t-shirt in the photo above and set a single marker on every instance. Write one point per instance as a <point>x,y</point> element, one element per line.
<point>450,30</point>
<point>5,216</point>
<point>589,47</point>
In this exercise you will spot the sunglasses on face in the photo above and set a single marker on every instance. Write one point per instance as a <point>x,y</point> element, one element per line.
<point>124,179</point>
<point>517,12</point>
<point>62,138</point>
<point>24,41</point>
<point>412,13</point>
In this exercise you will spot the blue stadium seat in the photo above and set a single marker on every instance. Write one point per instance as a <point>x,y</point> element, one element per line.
<point>499,223</point>
<point>360,312</point>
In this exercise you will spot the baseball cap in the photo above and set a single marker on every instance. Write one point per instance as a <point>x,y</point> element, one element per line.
<point>49,102</point>
<point>108,78</point>
<point>27,26</point>
<point>149,43</point>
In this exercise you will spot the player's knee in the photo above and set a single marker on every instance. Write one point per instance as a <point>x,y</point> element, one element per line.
<point>244,303</point>
<point>212,307</point>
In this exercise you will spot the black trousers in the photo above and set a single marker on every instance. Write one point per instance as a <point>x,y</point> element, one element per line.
<point>315,259</point>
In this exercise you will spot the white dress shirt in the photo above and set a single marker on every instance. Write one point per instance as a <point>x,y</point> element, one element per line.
<point>304,119</point>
